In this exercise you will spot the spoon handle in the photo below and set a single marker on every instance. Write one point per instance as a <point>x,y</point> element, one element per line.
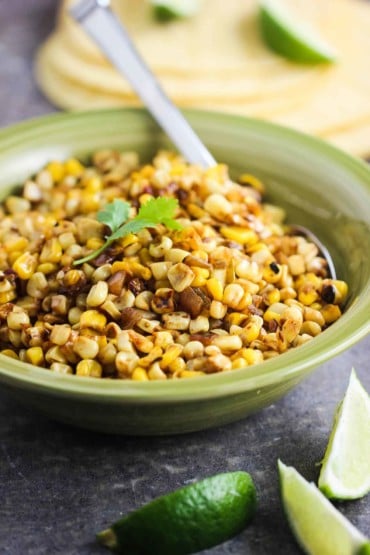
<point>105,29</point>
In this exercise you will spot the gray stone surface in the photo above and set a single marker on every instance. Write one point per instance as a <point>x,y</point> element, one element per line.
<point>58,485</point>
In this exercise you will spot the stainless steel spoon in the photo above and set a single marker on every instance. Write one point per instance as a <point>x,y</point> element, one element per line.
<point>109,34</point>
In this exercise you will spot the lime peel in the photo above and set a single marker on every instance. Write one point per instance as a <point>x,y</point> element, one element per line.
<point>345,472</point>
<point>167,10</point>
<point>190,519</point>
<point>290,38</point>
<point>318,526</point>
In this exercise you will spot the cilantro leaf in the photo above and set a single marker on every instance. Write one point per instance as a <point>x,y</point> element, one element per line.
<point>159,210</point>
<point>114,214</point>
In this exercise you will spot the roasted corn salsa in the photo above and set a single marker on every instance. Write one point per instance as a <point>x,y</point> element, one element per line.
<point>229,289</point>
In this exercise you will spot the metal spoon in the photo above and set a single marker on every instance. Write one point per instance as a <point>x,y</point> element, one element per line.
<point>109,34</point>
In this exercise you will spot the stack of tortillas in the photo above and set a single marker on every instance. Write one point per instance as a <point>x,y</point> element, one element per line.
<point>217,60</point>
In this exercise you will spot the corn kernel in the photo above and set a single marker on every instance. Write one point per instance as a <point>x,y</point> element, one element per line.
<point>35,356</point>
<point>215,288</point>
<point>139,374</point>
<point>191,373</point>
<point>25,265</point>
<point>9,353</point>
<point>46,268</point>
<point>73,167</point>
<point>93,319</point>
<point>56,170</point>
<point>239,235</point>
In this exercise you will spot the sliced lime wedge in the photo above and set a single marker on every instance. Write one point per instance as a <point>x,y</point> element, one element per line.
<point>166,10</point>
<point>291,38</point>
<point>318,526</point>
<point>345,473</point>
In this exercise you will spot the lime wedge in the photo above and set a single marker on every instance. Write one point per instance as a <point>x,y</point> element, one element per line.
<point>345,473</point>
<point>318,526</point>
<point>187,520</point>
<point>290,38</point>
<point>166,10</point>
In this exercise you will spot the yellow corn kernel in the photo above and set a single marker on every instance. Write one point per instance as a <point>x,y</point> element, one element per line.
<point>35,356</point>
<point>191,373</point>
<point>7,296</point>
<point>331,313</point>
<point>233,295</point>
<point>307,296</point>
<point>89,202</point>
<point>274,312</point>
<point>238,363</point>
<point>178,365</point>
<point>172,353</point>
<point>89,367</point>
<point>239,235</point>
<point>47,268</point>
<point>52,251</point>
<point>93,184</point>
<point>217,310</point>
<point>9,353</point>
<point>15,244</point>
<point>25,265</point>
<point>252,329</point>
<point>252,181</point>
<point>93,319</point>
<point>252,356</point>
<point>215,288</point>
<point>73,167</point>
<point>201,276</point>
<point>177,169</point>
<point>144,198</point>
<point>236,318</point>
<point>195,211</point>
<point>94,243</point>
<point>56,170</point>
<point>272,272</point>
<point>342,288</point>
<point>129,240</point>
<point>272,297</point>
<point>139,374</point>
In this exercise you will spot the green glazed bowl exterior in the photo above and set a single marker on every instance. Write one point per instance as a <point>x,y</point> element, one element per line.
<point>320,187</point>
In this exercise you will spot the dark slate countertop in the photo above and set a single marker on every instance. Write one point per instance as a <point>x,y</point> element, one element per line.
<point>59,485</point>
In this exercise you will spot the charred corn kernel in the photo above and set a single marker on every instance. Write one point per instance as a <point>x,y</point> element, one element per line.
<point>233,295</point>
<point>97,294</point>
<point>252,181</point>
<point>90,368</point>
<point>217,310</point>
<point>56,170</point>
<point>72,277</point>
<point>252,330</point>
<point>17,320</point>
<point>35,355</point>
<point>176,321</point>
<point>15,244</point>
<point>274,312</point>
<point>199,325</point>
<point>178,365</point>
<point>228,342</point>
<point>193,349</point>
<point>180,276</point>
<point>292,320</point>
<point>239,235</point>
<point>272,273</point>
<point>61,368</point>
<point>191,373</point>
<point>155,372</point>
<point>25,265</point>
<point>310,328</point>
<point>37,286</point>
<point>47,268</point>
<point>60,334</point>
<point>215,288</point>
<point>331,313</point>
<point>86,347</point>
<point>160,269</point>
<point>73,167</point>
<point>93,319</point>
<point>94,243</point>
<point>149,326</point>
<point>139,374</point>
<point>9,353</point>
<point>201,276</point>
<point>175,255</point>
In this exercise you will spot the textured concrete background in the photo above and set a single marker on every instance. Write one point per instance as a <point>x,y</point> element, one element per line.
<point>58,486</point>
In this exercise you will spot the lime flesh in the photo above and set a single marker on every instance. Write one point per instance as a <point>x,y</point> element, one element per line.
<point>318,526</point>
<point>345,472</point>
<point>289,38</point>
<point>187,520</point>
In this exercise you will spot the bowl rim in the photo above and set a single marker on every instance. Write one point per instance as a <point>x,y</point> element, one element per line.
<point>288,366</point>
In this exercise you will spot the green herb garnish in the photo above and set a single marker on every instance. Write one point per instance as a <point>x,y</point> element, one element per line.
<point>156,211</point>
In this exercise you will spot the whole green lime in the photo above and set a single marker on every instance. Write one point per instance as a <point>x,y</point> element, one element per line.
<point>190,519</point>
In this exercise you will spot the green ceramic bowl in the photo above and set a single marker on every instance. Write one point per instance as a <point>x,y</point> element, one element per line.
<point>321,188</point>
